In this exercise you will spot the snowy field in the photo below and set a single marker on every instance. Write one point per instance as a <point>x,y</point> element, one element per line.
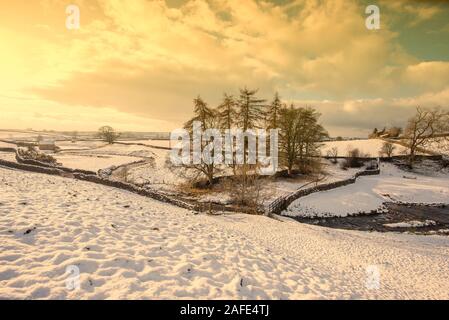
<point>92,162</point>
<point>123,150</point>
<point>282,187</point>
<point>439,146</point>
<point>369,192</point>
<point>7,145</point>
<point>157,173</point>
<point>149,142</point>
<point>29,135</point>
<point>95,155</point>
<point>369,147</point>
<point>8,156</point>
<point>80,145</point>
<point>127,246</point>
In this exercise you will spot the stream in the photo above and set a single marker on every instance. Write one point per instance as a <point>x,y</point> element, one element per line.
<point>396,213</point>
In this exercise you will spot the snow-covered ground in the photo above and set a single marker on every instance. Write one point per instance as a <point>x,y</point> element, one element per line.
<point>128,246</point>
<point>80,145</point>
<point>92,162</point>
<point>124,150</point>
<point>150,142</point>
<point>368,147</point>
<point>29,135</point>
<point>157,173</point>
<point>411,224</point>
<point>282,187</point>
<point>95,155</point>
<point>8,156</point>
<point>7,145</point>
<point>440,146</point>
<point>369,192</point>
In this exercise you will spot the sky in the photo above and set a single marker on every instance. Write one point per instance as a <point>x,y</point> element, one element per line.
<point>137,65</point>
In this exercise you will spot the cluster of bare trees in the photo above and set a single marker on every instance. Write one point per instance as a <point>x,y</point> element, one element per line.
<point>299,135</point>
<point>427,127</point>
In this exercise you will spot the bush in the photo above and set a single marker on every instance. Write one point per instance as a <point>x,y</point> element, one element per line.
<point>32,154</point>
<point>353,160</point>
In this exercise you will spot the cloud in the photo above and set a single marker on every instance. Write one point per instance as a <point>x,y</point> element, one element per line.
<point>417,11</point>
<point>150,59</point>
<point>360,116</point>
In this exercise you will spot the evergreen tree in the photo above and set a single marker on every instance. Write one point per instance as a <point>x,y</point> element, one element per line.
<point>250,109</point>
<point>202,113</point>
<point>227,113</point>
<point>273,112</point>
<point>207,117</point>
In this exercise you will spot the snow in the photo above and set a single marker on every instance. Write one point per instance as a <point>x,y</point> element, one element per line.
<point>150,142</point>
<point>273,189</point>
<point>411,224</point>
<point>8,156</point>
<point>94,154</point>
<point>439,146</point>
<point>92,162</point>
<point>370,192</point>
<point>369,147</point>
<point>29,135</point>
<point>130,247</point>
<point>157,172</point>
<point>7,145</point>
<point>80,145</point>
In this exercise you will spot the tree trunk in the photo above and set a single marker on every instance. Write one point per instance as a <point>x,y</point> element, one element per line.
<point>411,157</point>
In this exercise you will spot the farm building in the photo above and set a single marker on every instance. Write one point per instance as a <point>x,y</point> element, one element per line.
<point>47,145</point>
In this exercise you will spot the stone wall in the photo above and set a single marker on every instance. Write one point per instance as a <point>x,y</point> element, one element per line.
<point>98,180</point>
<point>32,162</point>
<point>281,203</point>
<point>31,168</point>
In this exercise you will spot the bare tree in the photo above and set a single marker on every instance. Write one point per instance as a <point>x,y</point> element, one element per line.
<point>289,146</point>
<point>310,133</point>
<point>387,149</point>
<point>108,134</point>
<point>245,187</point>
<point>300,137</point>
<point>333,153</point>
<point>425,125</point>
